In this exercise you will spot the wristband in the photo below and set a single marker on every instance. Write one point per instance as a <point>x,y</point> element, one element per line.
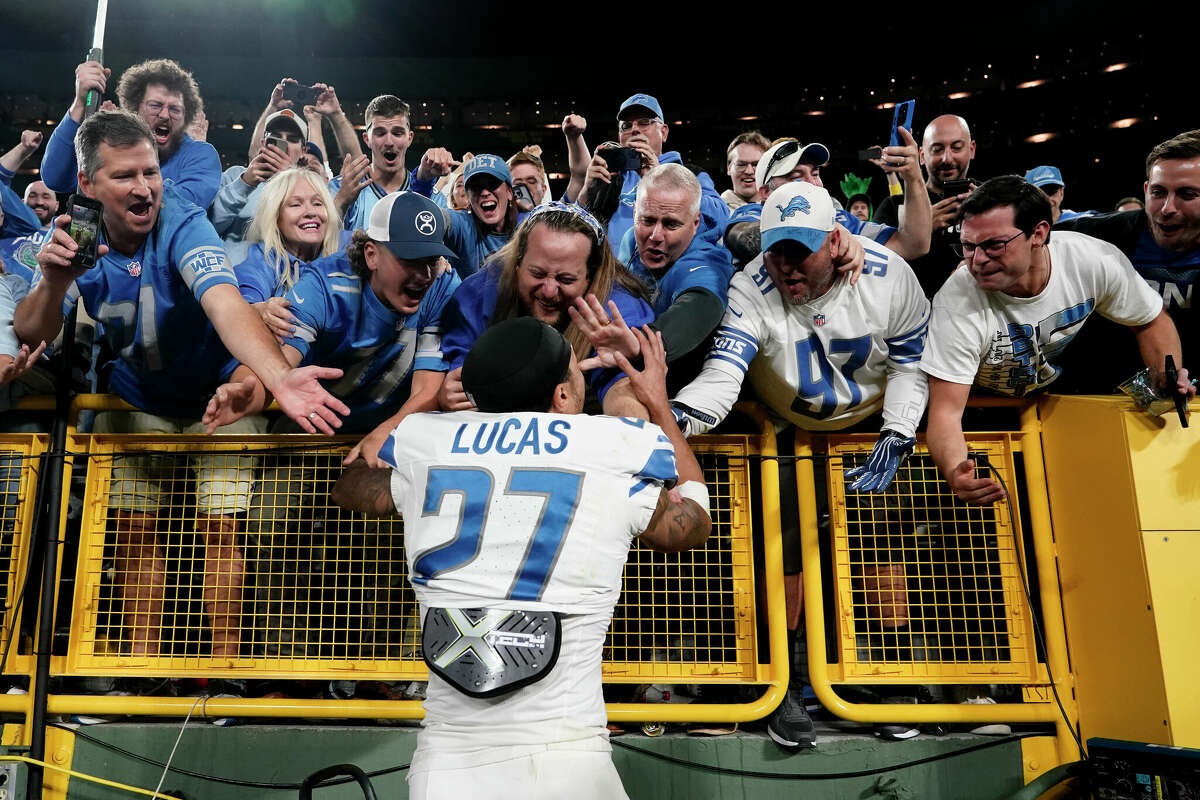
<point>695,490</point>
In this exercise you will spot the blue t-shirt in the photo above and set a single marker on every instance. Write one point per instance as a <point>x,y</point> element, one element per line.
<point>469,314</point>
<point>19,219</point>
<point>340,322</point>
<point>19,254</point>
<point>471,243</point>
<point>358,215</point>
<point>165,355</point>
<point>257,276</point>
<point>194,169</point>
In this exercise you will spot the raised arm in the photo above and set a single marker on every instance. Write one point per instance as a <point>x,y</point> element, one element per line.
<point>914,233</point>
<point>578,155</point>
<point>681,521</point>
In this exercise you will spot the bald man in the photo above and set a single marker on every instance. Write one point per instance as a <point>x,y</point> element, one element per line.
<point>43,201</point>
<point>947,150</point>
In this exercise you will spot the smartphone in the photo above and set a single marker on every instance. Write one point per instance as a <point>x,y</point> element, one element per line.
<point>523,196</point>
<point>84,228</point>
<point>278,142</point>
<point>300,94</point>
<point>952,188</point>
<point>902,116</point>
<point>870,154</point>
<point>621,159</point>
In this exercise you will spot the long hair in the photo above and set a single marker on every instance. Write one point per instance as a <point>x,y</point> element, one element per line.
<point>604,271</point>
<point>265,225</point>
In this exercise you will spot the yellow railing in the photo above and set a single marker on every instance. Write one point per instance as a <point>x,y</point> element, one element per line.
<point>326,595</point>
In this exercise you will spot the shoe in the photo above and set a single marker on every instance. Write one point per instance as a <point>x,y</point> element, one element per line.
<point>790,726</point>
<point>988,728</point>
<point>897,731</point>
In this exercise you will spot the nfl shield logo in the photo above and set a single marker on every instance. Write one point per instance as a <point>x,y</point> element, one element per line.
<point>134,268</point>
<point>818,320</point>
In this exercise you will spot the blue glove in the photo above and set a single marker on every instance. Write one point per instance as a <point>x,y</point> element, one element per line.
<point>889,453</point>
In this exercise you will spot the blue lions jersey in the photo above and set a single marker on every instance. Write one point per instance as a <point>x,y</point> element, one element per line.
<point>340,322</point>
<point>167,356</point>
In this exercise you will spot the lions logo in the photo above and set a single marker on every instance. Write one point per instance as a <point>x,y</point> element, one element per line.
<point>425,223</point>
<point>797,205</point>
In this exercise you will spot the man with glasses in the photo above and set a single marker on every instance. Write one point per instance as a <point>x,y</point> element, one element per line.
<point>641,125</point>
<point>1004,316</point>
<point>741,164</point>
<point>164,95</point>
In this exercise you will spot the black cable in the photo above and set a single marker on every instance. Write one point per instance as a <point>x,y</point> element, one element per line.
<point>823,776</point>
<point>1039,635</point>
<point>292,787</point>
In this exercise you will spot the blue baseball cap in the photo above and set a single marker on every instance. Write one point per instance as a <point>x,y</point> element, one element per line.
<point>797,211</point>
<point>643,101</point>
<point>486,164</point>
<point>1044,176</point>
<point>410,225</point>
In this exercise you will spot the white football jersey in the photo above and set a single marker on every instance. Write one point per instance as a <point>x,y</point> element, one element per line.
<point>530,511</point>
<point>823,365</point>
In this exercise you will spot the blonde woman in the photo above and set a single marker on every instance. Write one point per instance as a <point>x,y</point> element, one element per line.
<point>291,227</point>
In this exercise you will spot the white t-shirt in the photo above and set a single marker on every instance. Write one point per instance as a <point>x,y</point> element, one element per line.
<point>529,511</point>
<point>1008,344</point>
<point>824,365</point>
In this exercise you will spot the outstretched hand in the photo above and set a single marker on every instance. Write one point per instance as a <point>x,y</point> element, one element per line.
<point>20,363</point>
<point>609,334</point>
<point>306,401</point>
<point>232,401</point>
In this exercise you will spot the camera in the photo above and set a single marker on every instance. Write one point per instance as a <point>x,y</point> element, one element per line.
<point>621,159</point>
<point>278,142</point>
<point>300,95</point>
<point>954,188</point>
<point>84,228</point>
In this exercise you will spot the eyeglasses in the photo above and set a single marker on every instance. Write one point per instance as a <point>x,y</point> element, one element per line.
<point>155,108</point>
<point>643,122</point>
<point>738,166</point>
<point>993,248</point>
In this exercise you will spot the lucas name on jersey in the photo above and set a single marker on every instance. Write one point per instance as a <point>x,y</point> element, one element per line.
<point>515,435</point>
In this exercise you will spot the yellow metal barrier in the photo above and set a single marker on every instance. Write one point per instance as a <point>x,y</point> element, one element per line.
<point>325,593</point>
<point>326,597</point>
<point>19,469</point>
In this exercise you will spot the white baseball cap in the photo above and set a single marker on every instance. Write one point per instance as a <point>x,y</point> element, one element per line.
<point>797,211</point>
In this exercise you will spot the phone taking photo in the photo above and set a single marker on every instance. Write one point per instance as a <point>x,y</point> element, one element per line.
<point>901,117</point>
<point>278,142</point>
<point>84,229</point>
<point>300,94</point>
<point>621,159</point>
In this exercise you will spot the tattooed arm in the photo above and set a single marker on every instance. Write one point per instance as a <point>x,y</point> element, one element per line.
<point>365,489</point>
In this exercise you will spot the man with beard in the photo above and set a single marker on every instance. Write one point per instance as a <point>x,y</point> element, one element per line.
<point>557,256</point>
<point>822,354</point>
<point>947,150</point>
<point>43,202</point>
<point>164,95</point>
<point>1163,243</point>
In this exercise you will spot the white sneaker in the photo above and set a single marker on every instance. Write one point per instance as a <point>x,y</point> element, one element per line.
<point>988,728</point>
